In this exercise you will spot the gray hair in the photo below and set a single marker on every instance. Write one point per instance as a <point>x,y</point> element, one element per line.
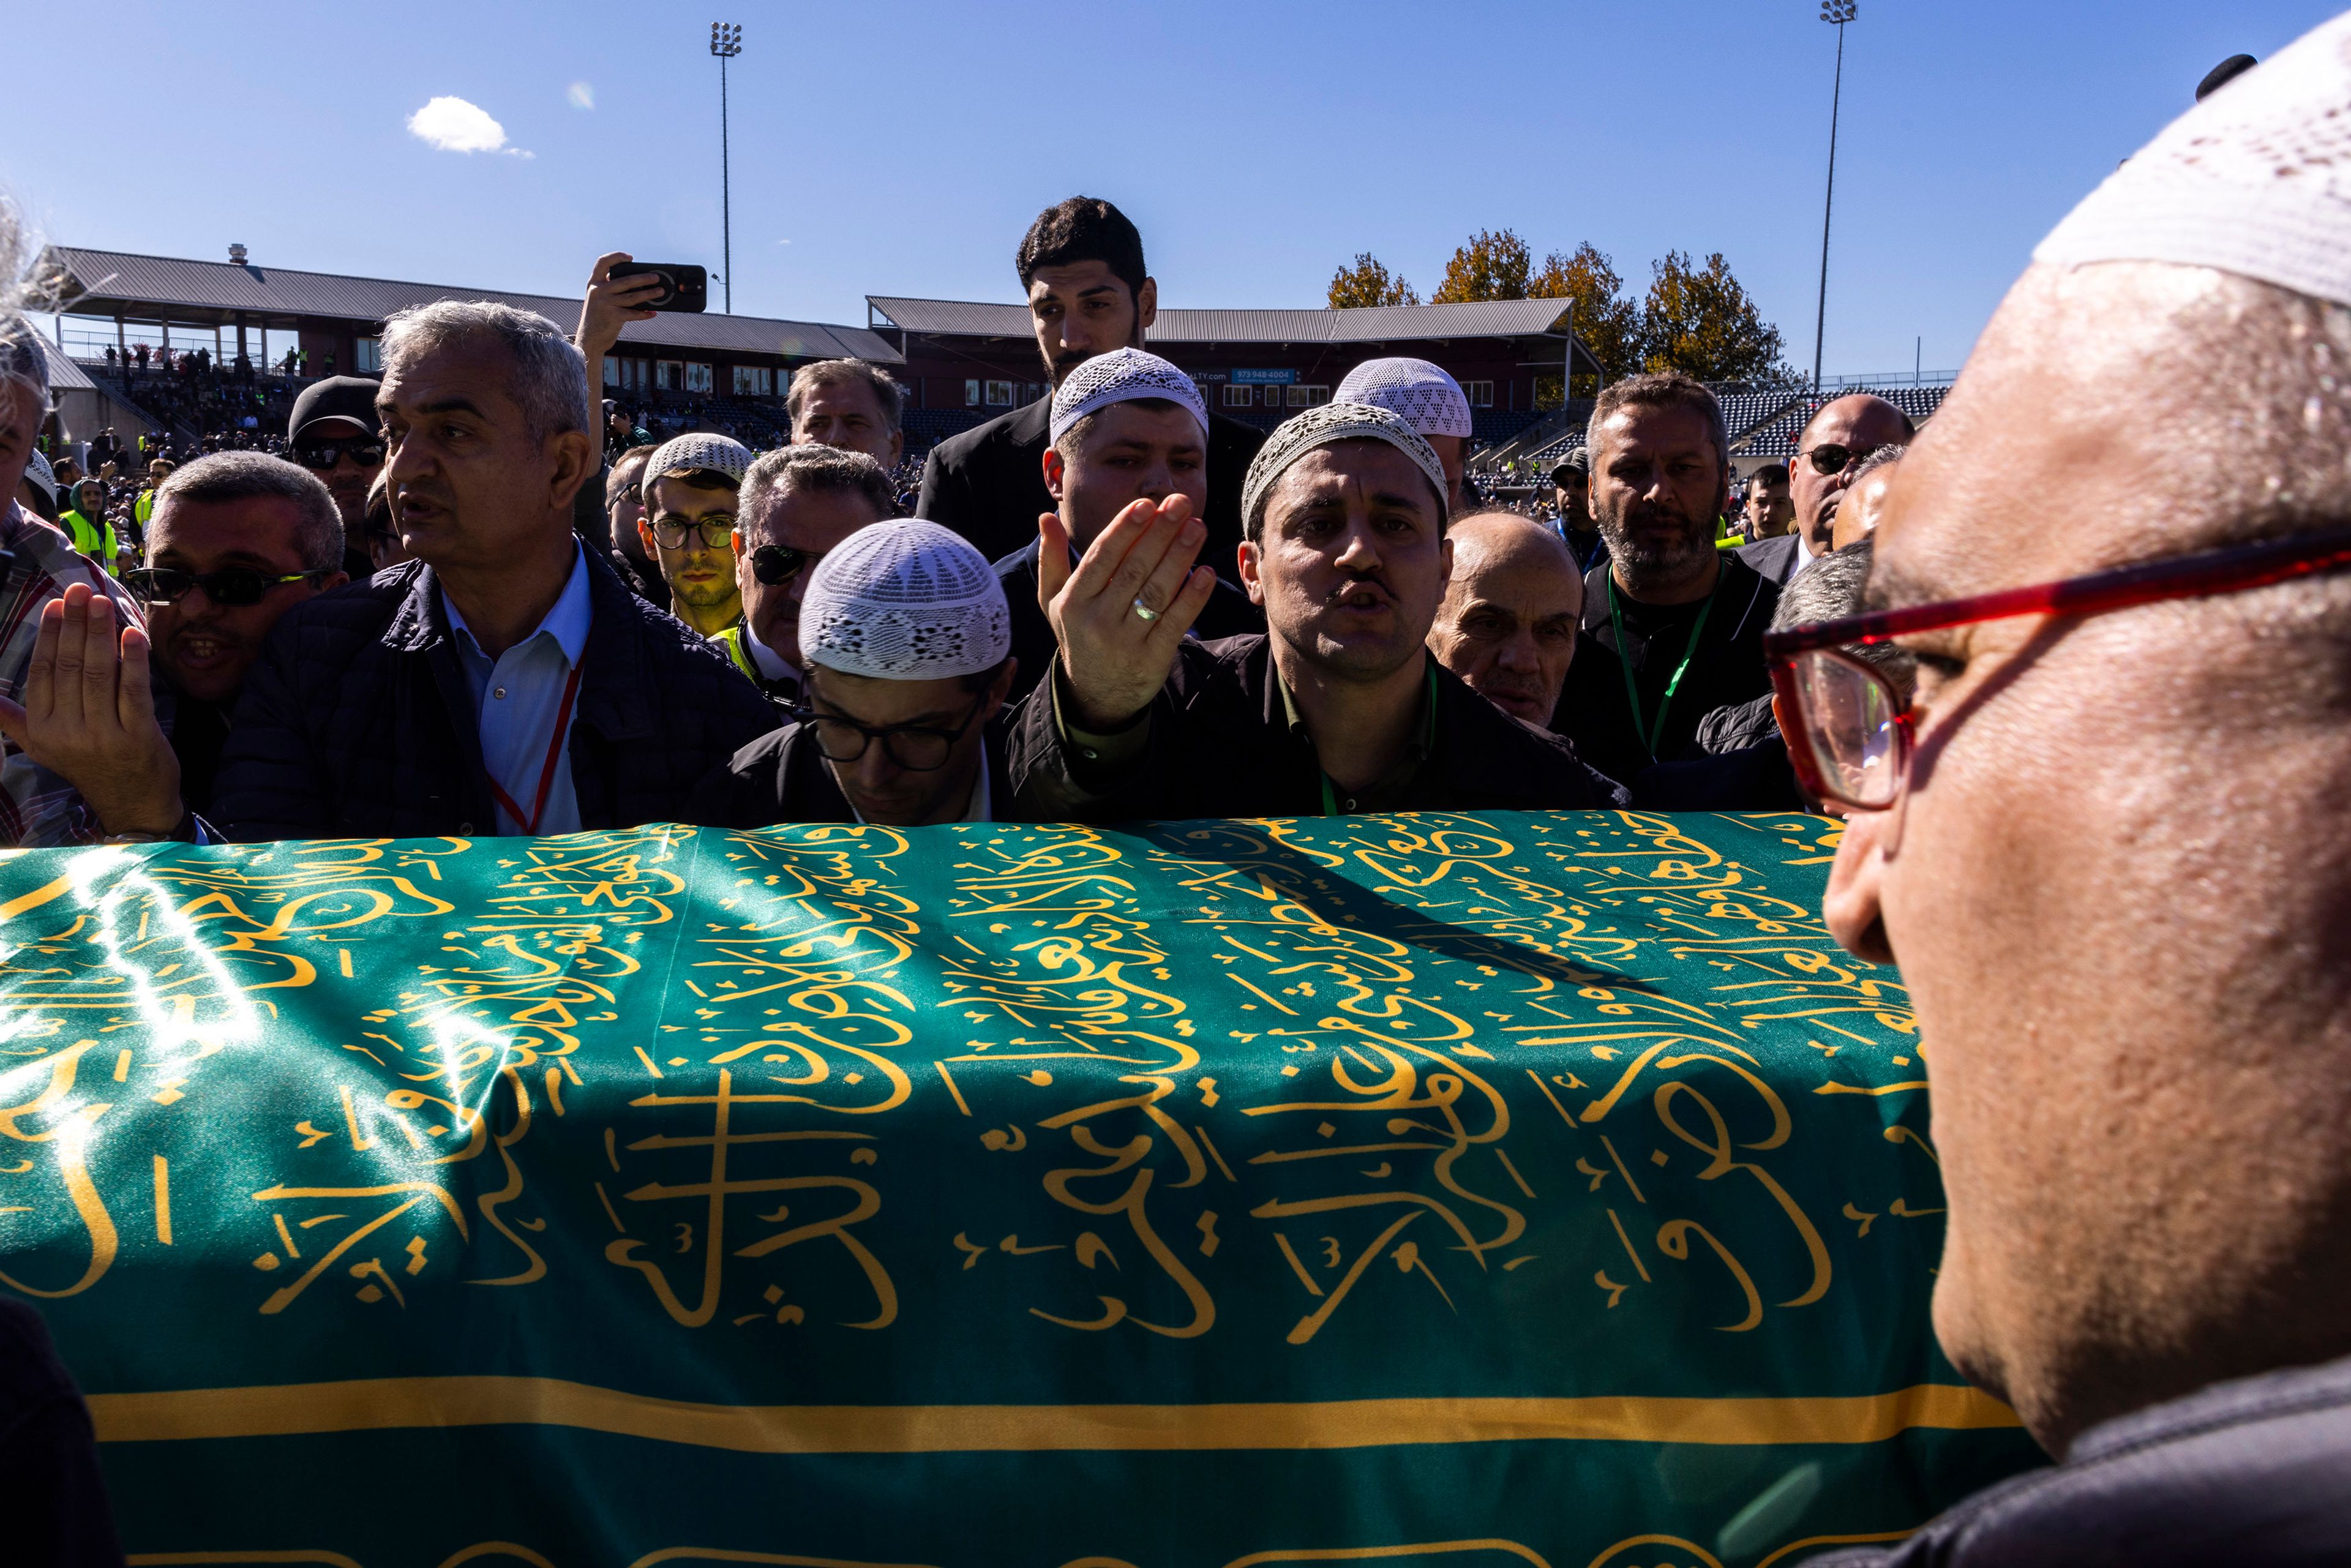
<point>243,475</point>
<point>550,380</point>
<point>1669,388</point>
<point>1884,456</point>
<point>837,372</point>
<point>1833,587</point>
<point>23,363</point>
<point>778,474</point>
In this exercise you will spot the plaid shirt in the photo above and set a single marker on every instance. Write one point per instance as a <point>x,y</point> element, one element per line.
<point>37,808</point>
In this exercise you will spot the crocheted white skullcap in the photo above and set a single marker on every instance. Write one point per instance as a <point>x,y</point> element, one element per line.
<point>718,453</point>
<point>905,601</point>
<point>1294,438</point>
<point>2255,180</point>
<point>1122,376</point>
<point>1427,398</point>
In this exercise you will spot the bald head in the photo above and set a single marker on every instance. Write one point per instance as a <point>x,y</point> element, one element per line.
<point>1858,423</point>
<point>2119,886</point>
<point>1508,624</point>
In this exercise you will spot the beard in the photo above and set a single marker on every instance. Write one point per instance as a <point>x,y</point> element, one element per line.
<point>1658,542</point>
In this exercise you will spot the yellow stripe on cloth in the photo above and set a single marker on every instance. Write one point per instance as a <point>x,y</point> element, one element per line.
<point>381,1404</point>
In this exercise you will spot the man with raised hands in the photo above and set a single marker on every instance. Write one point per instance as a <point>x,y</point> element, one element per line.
<point>1126,427</point>
<point>1337,708</point>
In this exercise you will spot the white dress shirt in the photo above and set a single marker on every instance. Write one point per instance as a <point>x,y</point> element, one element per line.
<point>518,700</point>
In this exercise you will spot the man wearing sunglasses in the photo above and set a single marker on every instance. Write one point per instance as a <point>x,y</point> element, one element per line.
<point>799,503</point>
<point>334,433</point>
<point>1829,454</point>
<point>692,486</point>
<point>909,650</point>
<point>237,539</point>
<point>2107,843</point>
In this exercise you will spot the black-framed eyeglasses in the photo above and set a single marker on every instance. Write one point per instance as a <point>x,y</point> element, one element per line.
<point>1829,458</point>
<point>777,565</point>
<point>917,748</point>
<point>716,529</point>
<point>324,454</point>
<point>231,587</point>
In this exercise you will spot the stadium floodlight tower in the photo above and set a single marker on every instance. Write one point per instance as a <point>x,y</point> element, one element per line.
<point>1837,12</point>
<point>726,43</point>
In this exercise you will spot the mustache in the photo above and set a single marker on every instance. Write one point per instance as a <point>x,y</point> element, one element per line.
<point>1646,511</point>
<point>1374,581</point>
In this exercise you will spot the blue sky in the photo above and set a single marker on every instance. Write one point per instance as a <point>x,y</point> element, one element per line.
<point>901,148</point>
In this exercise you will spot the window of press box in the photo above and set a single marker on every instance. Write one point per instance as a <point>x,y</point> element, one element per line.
<point>1307,397</point>
<point>999,394</point>
<point>971,394</point>
<point>1479,393</point>
<point>367,353</point>
<point>697,377</point>
<point>611,370</point>
<point>669,375</point>
<point>1240,397</point>
<point>754,381</point>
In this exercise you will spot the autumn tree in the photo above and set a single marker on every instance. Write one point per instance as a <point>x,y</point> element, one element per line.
<point>1490,265</point>
<point>1608,323</point>
<point>1699,321</point>
<point>1366,282</point>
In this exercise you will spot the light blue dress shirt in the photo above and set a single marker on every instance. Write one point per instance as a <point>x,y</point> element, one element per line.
<point>516,698</point>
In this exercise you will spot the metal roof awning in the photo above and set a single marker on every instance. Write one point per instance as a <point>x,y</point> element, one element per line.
<point>110,283</point>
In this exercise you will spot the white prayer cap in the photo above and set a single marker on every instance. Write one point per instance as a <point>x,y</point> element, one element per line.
<point>905,601</point>
<point>42,477</point>
<point>717,453</point>
<point>1426,398</point>
<point>1122,376</point>
<point>2255,180</point>
<point>1293,439</point>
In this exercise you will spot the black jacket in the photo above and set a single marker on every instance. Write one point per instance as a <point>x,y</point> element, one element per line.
<point>1220,745</point>
<point>51,1491</point>
<point>782,777</point>
<point>356,721</point>
<point>1774,559</point>
<point>1728,667</point>
<point>1229,613</point>
<point>2254,1473</point>
<point>988,484</point>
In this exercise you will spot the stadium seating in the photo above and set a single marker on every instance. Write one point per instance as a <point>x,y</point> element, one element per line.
<point>1776,437</point>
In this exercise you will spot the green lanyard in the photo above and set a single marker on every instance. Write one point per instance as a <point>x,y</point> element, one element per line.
<point>1427,746</point>
<point>1649,734</point>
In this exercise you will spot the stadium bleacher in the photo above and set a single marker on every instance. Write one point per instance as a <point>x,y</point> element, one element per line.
<point>1776,437</point>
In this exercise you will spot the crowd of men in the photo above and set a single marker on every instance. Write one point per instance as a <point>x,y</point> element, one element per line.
<point>468,598</point>
<point>2088,734</point>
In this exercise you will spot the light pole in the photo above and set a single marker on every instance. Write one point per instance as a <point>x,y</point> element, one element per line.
<point>726,42</point>
<point>1837,12</point>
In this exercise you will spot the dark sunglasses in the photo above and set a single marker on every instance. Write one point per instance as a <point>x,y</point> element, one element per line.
<point>324,454</point>
<point>231,587</point>
<point>1829,458</point>
<point>777,565</point>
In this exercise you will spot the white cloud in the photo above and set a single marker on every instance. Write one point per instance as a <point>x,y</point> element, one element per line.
<point>581,94</point>
<point>452,125</point>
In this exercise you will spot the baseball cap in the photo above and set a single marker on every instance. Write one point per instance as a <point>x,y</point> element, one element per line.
<point>336,397</point>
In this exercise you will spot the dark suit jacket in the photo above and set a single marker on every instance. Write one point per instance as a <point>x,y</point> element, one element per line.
<point>356,722</point>
<point>1774,559</point>
<point>1229,614</point>
<point>988,484</point>
<point>1220,745</point>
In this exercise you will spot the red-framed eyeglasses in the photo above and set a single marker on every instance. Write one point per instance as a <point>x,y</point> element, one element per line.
<point>1856,735</point>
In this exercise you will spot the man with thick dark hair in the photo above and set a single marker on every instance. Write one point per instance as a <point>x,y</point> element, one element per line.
<point>1768,510</point>
<point>1081,266</point>
<point>1674,626</point>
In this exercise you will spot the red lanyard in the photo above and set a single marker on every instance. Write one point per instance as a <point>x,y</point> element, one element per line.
<point>546,772</point>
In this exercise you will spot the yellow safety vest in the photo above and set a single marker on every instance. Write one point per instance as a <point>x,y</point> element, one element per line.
<point>89,536</point>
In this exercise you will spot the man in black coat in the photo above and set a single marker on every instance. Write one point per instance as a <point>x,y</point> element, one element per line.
<point>903,630</point>
<point>1080,266</point>
<point>503,680</point>
<point>1340,709</point>
<point>1128,426</point>
<point>1687,620</point>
